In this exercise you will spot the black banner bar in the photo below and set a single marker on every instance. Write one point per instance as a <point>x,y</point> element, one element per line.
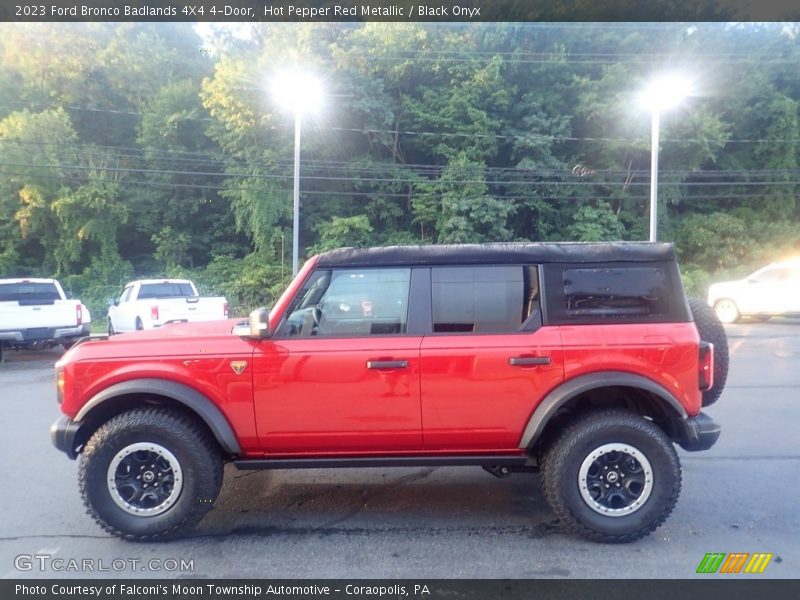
<point>399,10</point>
<point>716,588</point>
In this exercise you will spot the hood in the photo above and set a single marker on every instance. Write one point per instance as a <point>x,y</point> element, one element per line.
<point>180,330</point>
<point>205,338</point>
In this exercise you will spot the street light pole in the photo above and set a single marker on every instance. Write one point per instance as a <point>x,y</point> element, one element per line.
<point>661,94</point>
<point>654,176</point>
<point>296,219</point>
<point>298,93</point>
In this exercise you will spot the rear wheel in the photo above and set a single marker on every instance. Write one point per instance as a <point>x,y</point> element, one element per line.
<point>147,474</point>
<point>612,476</point>
<point>139,324</point>
<point>711,330</point>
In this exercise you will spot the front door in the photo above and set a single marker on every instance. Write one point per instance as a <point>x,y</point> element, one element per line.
<point>769,291</point>
<point>341,374</point>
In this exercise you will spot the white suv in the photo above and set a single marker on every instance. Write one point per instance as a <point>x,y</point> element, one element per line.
<point>771,291</point>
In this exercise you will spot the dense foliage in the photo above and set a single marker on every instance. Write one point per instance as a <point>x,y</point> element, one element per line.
<point>146,149</point>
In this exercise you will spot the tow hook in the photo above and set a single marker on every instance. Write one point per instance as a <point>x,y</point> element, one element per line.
<point>499,471</point>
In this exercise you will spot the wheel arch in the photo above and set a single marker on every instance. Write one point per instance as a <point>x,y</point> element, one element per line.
<point>609,388</point>
<point>148,391</point>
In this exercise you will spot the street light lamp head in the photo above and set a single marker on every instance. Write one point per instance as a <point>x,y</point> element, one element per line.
<point>665,93</point>
<point>297,91</point>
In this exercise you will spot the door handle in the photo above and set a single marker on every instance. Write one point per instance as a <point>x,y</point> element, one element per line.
<point>387,364</point>
<point>528,361</point>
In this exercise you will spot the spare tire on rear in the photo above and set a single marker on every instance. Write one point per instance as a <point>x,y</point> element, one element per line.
<point>711,330</point>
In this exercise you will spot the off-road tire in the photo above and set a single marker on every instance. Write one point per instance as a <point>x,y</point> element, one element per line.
<point>561,467</point>
<point>711,330</point>
<point>198,456</point>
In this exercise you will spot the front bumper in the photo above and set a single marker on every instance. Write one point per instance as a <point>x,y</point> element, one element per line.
<point>64,435</point>
<point>697,433</point>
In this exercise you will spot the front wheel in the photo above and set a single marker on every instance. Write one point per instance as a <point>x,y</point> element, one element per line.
<point>726,311</point>
<point>149,473</point>
<point>612,476</point>
<point>110,327</point>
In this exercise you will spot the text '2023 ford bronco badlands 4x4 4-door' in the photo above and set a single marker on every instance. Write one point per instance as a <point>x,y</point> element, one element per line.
<point>581,361</point>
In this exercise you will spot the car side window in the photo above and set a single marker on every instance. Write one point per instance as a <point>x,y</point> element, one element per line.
<point>775,275</point>
<point>126,294</point>
<point>615,292</point>
<point>484,299</point>
<point>350,302</point>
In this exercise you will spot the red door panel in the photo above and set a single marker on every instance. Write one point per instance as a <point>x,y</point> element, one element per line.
<point>319,395</point>
<point>473,398</point>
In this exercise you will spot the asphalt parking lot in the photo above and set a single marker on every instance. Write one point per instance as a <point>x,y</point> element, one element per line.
<point>741,496</point>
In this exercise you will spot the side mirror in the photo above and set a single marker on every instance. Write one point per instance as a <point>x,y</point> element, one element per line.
<point>259,324</point>
<point>112,302</point>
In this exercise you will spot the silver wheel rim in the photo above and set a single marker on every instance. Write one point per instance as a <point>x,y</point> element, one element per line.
<point>144,479</point>
<point>726,311</point>
<point>615,480</point>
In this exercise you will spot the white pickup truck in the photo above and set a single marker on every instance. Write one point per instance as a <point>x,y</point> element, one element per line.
<point>149,303</point>
<point>37,312</point>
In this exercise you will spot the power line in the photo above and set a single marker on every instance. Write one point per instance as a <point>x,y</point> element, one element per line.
<point>562,138</point>
<point>560,60</point>
<point>487,182</point>
<point>112,111</point>
<point>528,136</point>
<point>408,196</point>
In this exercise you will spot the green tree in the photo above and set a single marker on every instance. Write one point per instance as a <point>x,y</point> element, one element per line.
<point>34,147</point>
<point>352,231</point>
<point>88,219</point>
<point>468,212</point>
<point>595,223</point>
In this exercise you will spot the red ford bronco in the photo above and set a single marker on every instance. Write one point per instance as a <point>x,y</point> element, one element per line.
<point>584,362</point>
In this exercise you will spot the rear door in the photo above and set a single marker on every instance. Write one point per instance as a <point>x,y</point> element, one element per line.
<point>794,289</point>
<point>488,361</point>
<point>768,291</point>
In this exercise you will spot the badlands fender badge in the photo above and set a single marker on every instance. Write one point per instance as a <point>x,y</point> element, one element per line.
<point>238,366</point>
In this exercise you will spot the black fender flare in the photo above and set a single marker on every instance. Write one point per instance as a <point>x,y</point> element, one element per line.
<point>569,389</point>
<point>189,397</point>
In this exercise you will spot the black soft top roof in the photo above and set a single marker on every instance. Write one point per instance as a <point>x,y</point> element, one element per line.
<point>522,252</point>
